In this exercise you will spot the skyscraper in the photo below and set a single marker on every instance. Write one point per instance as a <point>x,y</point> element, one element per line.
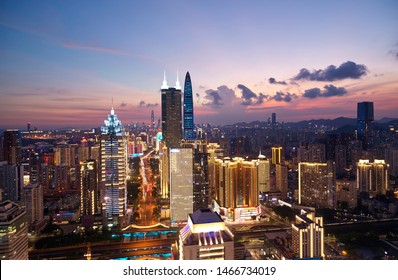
<point>14,232</point>
<point>365,120</point>
<point>308,236</point>
<point>12,146</point>
<point>276,155</point>
<point>88,188</point>
<point>188,109</point>
<point>171,114</point>
<point>372,177</point>
<point>113,169</point>
<point>181,183</point>
<point>32,200</point>
<point>316,184</point>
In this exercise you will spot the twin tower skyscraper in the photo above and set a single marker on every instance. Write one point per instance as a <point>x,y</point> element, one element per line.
<point>172,108</point>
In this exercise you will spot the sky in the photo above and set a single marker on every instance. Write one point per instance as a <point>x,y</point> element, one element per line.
<point>66,63</point>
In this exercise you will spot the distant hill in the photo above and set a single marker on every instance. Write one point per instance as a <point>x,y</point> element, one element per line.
<point>335,123</point>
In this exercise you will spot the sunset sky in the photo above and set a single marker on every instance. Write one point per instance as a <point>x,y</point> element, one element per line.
<point>62,62</point>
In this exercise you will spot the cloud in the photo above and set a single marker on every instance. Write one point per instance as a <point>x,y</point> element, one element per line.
<point>394,52</point>
<point>329,91</point>
<point>123,104</point>
<point>147,105</point>
<point>282,96</point>
<point>213,98</point>
<point>273,81</point>
<point>346,70</point>
<point>90,47</point>
<point>248,96</point>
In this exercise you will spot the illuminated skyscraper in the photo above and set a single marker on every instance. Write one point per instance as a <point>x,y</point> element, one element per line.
<point>181,183</point>
<point>365,120</point>
<point>13,232</point>
<point>276,155</point>
<point>316,184</point>
<point>263,174</point>
<point>235,182</point>
<point>113,169</point>
<point>171,114</point>
<point>88,188</point>
<point>308,236</point>
<point>372,177</point>
<point>188,109</point>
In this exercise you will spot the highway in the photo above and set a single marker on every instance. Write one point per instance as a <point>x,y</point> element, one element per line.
<point>107,250</point>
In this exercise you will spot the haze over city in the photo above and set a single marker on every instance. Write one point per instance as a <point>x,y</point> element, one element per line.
<point>63,62</point>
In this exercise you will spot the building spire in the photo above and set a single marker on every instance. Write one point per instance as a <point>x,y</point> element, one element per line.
<point>164,85</point>
<point>178,86</point>
<point>112,110</point>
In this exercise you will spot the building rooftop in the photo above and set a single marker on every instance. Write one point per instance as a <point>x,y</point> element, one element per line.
<point>205,216</point>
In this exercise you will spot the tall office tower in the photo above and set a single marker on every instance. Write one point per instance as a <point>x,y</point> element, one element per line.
<point>277,155</point>
<point>12,146</point>
<point>206,237</point>
<point>89,195</point>
<point>28,125</point>
<point>346,194</point>
<point>13,232</point>
<point>372,177</point>
<point>235,182</point>
<point>281,179</point>
<point>263,174</point>
<point>32,200</point>
<point>113,170</point>
<point>152,120</point>
<point>11,181</point>
<point>188,109</point>
<point>312,153</point>
<point>317,184</point>
<point>273,123</point>
<point>365,120</point>
<point>308,236</point>
<point>201,192</point>
<point>171,114</point>
<point>181,183</point>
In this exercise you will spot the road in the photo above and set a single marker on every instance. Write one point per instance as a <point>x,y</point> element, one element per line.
<point>147,202</point>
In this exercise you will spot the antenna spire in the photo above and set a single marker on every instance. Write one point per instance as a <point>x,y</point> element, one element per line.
<point>164,85</point>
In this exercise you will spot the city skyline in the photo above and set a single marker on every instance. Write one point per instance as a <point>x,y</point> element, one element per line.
<point>63,63</point>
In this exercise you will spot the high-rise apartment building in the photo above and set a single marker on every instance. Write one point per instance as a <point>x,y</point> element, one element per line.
<point>263,174</point>
<point>281,173</point>
<point>188,109</point>
<point>32,200</point>
<point>346,194</point>
<point>89,194</point>
<point>372,177</point>
<point>13,232</point>
<point>206,237</point>
<point>113,169</point>
<point>235,182</point>
<point>315,152</point>
<point>308,236</point>
<point>181,183</point>
<point>171,114</point>
<point>316,184</point>
<point>277,155</point>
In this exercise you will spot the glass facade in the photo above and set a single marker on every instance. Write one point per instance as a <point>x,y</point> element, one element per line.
<point>188,109</point>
